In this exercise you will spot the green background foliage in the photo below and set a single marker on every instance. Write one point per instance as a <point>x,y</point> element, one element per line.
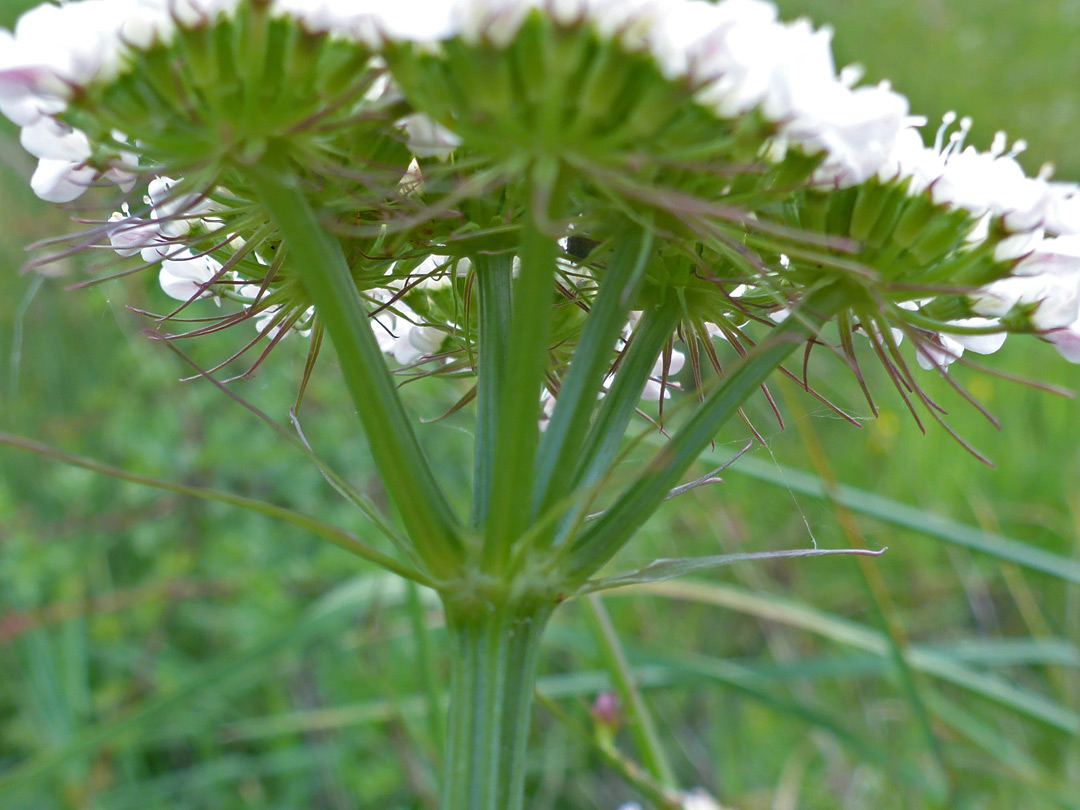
<point>161,652</point>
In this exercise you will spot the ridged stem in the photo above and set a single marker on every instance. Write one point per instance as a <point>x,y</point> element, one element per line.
<point>494,285</point>
<point>494,651</point>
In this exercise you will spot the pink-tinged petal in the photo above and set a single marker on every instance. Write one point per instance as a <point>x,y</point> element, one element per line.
<point>131,235</point>
<point>1067,342</point>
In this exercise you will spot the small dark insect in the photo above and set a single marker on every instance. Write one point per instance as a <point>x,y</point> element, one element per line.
<point>579,247</point>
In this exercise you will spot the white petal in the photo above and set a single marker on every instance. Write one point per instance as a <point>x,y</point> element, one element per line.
<point>47,138</point>
<point>61,181</point>
<point>930,355</point>
<point>196,268</point>
<point>177,287</point>
<point>980,344</point>
<point>427,139</point>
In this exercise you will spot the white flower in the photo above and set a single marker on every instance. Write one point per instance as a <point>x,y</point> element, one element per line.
<point>62,174</point>
<point>123,174</point>
<point>194,13</point>
<point>270,322</point>
<point>175,213</point>
<point>48,138</point>
<point>657,383</point>
<point>20,100</point>
<point>1056,295</point>
<point>630,22</point>
<point>989,182</point>
<point>912,160</point>
<point>988,343</point>
<point>130,235</point>
<point>416,342</point>
<point>1063,210</point>
<point>985,184</point>
<point>147,22</point>
<point>183,275</point>
<point>70,45</point>
<point>427,138</point>
<point>1016,246</point>
<point>263,320</point>
<point>742,58</point>
<point>950,347</point>
<point>702,41</point>
<point>410,20</point>
<point>856,129</point>
<point>61,181</point>
<point>699,800</point>
<point>1059,254</point>
<point>804,69</point>
<point>401,333</point>
<point>938,352</point>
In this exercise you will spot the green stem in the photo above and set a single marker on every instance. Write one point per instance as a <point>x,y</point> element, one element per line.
<point>519,399</point>
<point>494,651</point>
<point>426,662</point>
<point>329,283</point>
<point>561,444</point>
<point>639,719</point>
<point>601,446</point>
<point>638,503</point>
<point>493,283</point>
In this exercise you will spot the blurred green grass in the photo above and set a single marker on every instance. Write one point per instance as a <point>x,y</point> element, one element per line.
<point>156,652</point>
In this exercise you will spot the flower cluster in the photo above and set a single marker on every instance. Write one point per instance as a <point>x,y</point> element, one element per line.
<point>697,799</point>
<point>735,60</point>
<point>1040,220</point>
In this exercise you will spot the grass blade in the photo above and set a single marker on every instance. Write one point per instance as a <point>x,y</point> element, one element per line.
<point>909,517</point>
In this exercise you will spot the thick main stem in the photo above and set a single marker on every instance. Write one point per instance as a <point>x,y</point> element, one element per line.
<point>494,650</point>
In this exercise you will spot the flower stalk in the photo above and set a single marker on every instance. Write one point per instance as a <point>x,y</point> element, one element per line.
<point>493,283</point>
<point>519,398</point>
<point>405,472</point>
<point>616,526</point>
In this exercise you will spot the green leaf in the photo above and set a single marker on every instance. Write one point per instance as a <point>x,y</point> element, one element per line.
<point>663,570</point>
